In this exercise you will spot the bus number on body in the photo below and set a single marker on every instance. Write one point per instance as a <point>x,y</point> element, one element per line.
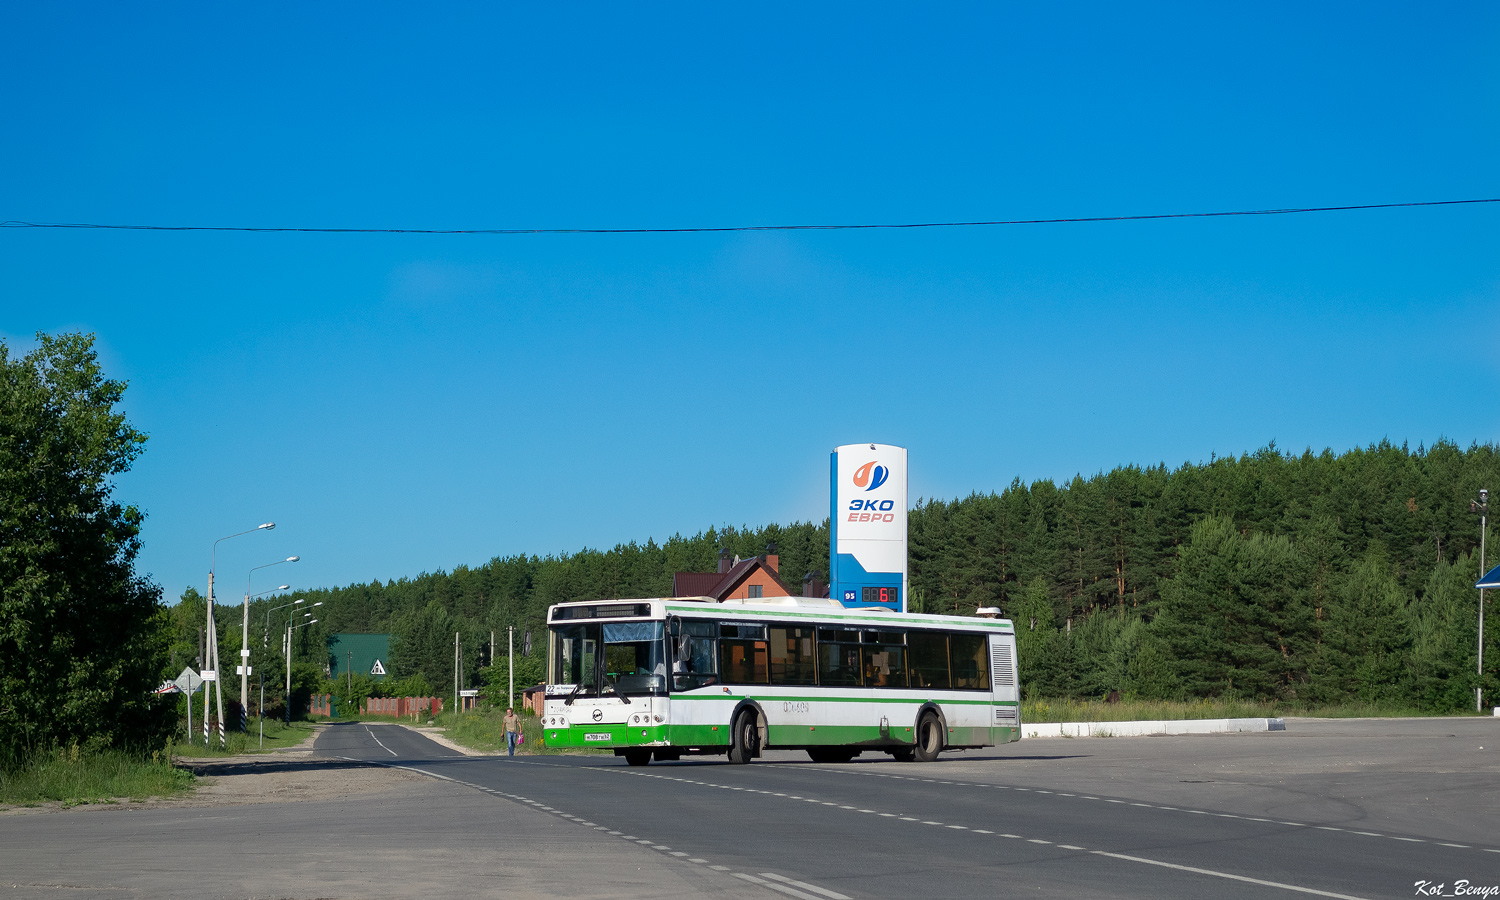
<point>796,707</point>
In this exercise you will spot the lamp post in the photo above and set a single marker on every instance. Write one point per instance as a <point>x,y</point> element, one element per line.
<point>245,634</point>
<point>289,629</point>
<point>1481,506</point>
<point>265,635</point>
<point>213,638</point>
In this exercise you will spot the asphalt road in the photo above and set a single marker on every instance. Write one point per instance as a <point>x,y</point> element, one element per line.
<point>1361,809</point>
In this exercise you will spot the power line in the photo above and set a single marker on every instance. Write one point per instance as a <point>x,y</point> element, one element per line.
<point>699,230</point>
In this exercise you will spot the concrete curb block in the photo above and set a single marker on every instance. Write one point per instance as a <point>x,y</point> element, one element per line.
<point>1139,729</point>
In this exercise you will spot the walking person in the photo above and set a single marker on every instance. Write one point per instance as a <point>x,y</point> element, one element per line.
<point>512,731</point>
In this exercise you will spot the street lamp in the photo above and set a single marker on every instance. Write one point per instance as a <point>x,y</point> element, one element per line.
<point>289,629</point>
<point>245,634</point>
<point>213,635</point>
<point>266,635</point>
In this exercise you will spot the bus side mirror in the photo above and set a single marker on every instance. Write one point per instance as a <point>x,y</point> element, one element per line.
<point>674,626</point>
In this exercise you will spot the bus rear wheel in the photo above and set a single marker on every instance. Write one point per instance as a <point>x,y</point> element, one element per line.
<point>929,739</point>
<point>638,757</point>
<point>744,739</point>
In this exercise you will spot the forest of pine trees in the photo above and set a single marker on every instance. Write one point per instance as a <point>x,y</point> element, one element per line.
<point>1317,578</point>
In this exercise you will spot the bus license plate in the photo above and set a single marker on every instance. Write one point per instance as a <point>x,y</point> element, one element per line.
<point>596,737</point>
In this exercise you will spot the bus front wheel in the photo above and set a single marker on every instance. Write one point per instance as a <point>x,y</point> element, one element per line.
<point>638,757</point>
<point>929,739</point>
<point>744,739</point>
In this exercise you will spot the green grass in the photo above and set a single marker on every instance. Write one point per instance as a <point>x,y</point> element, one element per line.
<point>484,730</point>
<point>278,737</point>
<point>75,777</point>
<point>1064,710</point>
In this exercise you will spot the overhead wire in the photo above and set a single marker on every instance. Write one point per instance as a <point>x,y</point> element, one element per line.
<point>729,228</point>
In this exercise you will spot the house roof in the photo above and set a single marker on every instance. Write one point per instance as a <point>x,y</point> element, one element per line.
<point>695,584</point>
<point>720,585</point>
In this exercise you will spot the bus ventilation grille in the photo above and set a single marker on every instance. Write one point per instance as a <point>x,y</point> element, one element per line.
<point>1003,666</point>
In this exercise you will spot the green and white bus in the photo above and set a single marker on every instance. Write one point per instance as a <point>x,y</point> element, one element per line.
<point>661,678</point>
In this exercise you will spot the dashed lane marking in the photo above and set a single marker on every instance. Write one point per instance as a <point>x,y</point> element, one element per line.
<point>770,880</point>
<point>1047,843</point>
<point>1197,812</point>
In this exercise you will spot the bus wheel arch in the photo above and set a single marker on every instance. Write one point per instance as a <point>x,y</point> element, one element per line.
<point>747,732</point>
<point>931,733</point>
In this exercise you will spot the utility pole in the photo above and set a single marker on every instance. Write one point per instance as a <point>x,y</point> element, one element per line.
<point>510,652</point>
<point>213,654</point>
<point>455,671</point>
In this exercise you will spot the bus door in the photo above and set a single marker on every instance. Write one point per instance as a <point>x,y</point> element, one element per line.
<point>1005,687</point>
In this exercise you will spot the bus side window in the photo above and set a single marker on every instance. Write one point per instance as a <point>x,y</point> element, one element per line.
<point>929,659</point>
<point>696,663</point>
<point>743,654</point>
<point>792,658</point>
<point>884,658</point>
<point>971,670</point>
<point>838,657</point>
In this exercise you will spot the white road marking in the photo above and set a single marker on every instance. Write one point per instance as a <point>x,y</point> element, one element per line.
<point>833,895</point>
<point>1005,787</point>
<point>377,740</point>
<point>785,889</point>
<point>1195,869</point>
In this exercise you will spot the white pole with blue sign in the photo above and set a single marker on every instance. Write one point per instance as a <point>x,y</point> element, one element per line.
<point>1482,507</point>
<point>867,526</point>
<point>1488,581</point>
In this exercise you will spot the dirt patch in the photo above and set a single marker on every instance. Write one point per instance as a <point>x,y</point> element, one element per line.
<point>290,775</point>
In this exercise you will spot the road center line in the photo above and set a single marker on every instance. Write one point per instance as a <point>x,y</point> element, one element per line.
<point>1198,812</point>
<point>377,740</point>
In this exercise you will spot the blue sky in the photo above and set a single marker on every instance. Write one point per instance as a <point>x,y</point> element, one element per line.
<point>405,403</point>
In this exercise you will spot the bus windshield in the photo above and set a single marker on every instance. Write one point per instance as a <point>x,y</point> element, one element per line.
<point>598,659</point>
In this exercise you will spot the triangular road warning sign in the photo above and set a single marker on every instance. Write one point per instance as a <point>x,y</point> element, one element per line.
<point>377,669</point>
